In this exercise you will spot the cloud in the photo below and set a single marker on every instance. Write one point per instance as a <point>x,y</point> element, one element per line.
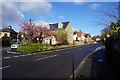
<point>95,6</point>
<point>80,2</point>
<point>41,23</point>
<point>75,29</point>
<point>10,14</point>
<point>61,17</point>
<point>35,7</point>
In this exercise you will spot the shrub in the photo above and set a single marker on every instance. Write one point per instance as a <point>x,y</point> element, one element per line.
<point>85,42</point>
<point>12,42</point>
<point>32,47</point>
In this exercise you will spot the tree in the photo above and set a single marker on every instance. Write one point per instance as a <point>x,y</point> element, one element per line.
<point>115,29</point>
<point>31,31</point>
<point>95,37</point>
<point>61,36</point>
<point>110,14</point>
<point>104,32</point>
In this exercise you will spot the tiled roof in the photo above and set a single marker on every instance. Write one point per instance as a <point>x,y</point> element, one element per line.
<point>87,35</point>
<point>7,30</point>
<point>55,25</point>
<point>79,34</point>
<point>74,33</point>
<point>4,30</point>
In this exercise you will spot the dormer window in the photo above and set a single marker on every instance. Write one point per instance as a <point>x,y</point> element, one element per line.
<point>60,25</point>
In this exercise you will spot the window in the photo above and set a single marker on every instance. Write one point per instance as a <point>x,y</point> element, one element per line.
<point>70,34</point>
<point>45,41</point>
<point>53,40</point>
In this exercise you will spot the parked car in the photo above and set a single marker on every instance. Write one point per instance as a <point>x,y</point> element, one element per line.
<point>15,45</point>
<point>95,42</point>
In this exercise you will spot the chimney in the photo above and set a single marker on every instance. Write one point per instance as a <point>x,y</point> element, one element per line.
<point>9,27</point>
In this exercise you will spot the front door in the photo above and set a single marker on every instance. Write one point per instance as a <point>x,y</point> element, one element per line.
<point>50,41</point>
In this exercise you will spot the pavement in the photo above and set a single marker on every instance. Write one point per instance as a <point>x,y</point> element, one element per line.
<point>96,68</point>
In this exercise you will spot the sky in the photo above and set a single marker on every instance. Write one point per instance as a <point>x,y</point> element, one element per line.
<point>82,15</point>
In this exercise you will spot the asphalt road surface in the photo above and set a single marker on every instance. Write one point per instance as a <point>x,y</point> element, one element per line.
<point>54,64</point>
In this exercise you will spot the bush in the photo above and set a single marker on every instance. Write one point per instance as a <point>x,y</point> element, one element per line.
<point>32,47</point>
<point>12,42</point>
<point>85,42</point>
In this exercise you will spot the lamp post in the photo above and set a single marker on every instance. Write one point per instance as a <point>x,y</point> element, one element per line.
<point>108,35</point>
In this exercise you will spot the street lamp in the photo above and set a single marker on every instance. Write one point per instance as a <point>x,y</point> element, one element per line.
<point>22,36</point>
<point>108,35</point>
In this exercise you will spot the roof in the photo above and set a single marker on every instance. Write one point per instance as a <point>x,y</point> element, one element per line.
<point>7,30</point>
<point>49,37</point>
<point>79,34</point>
<point>87,35</point>
<point>55,25</point>
<point>4,30</point>
<point>74,33</point>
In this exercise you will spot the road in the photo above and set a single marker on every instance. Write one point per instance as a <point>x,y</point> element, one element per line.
<point>53,64</point>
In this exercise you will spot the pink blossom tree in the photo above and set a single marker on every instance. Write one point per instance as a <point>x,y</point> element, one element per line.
<point>31,31</point>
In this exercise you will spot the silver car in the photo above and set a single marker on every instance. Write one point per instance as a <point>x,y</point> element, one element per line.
<point>15,45</point>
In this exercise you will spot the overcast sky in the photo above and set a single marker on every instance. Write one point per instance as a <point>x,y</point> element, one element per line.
<point>82,15</point>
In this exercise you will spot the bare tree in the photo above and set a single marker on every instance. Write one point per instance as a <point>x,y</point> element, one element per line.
<point>111,14</point>
<point>105,31</point>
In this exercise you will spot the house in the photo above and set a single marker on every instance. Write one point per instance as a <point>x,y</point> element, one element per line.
<point>8,34</point>
<point>68,29</point>
<point>51,40</point>
<point>75,36</point>
<point>97,39</point>
<point>88,37</point>
<point>79,37</point>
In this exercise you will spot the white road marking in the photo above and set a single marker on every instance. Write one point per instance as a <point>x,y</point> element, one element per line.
<point>16,56</point>
<point>34,53</point>
<point>48,51</point>
<point>55,55</point>
<point>4,67</point>
<point>69,48</point>
<point>7,57</point>
<point>22,55</point>
<point>39,59</point>
<point>45,57</point>
<point>28,54</point>
<point>57,50</point>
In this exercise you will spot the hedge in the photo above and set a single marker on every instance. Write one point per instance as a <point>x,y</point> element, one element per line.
<point>32,47</point>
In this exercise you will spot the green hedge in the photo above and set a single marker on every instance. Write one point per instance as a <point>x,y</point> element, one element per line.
<point>12,42</point>
<point>85,42</point>
<point>32,47</point>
